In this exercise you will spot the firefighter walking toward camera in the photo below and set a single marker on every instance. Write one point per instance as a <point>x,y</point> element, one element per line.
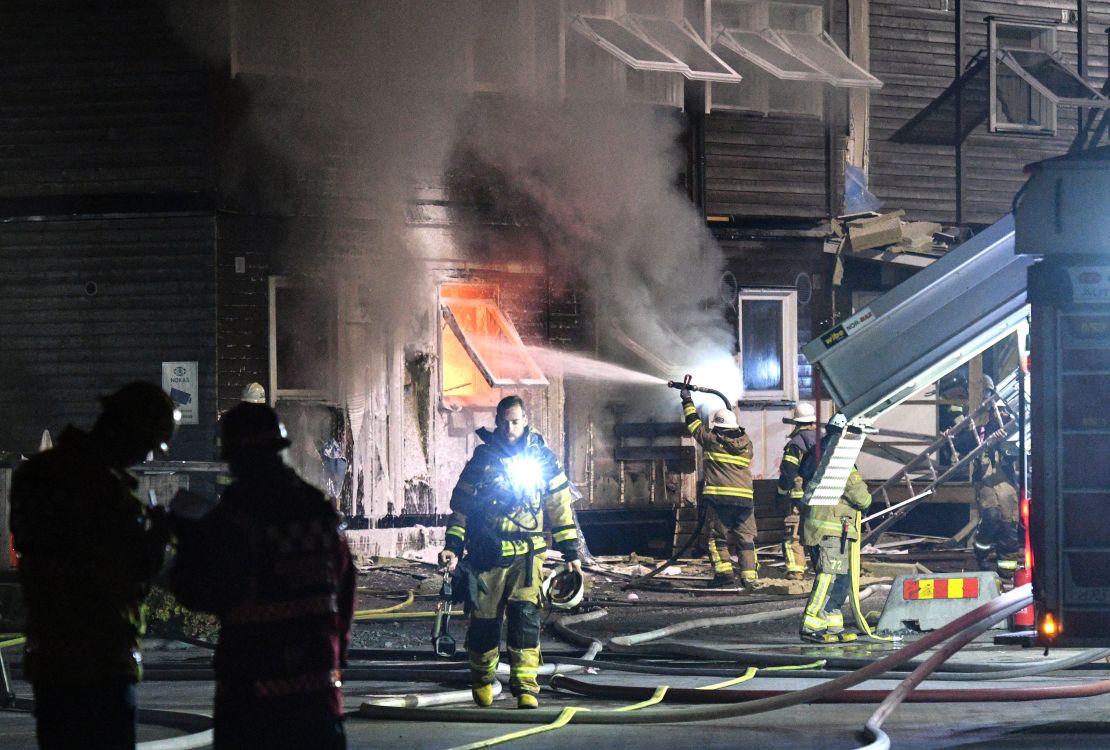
<point>726,491</point>
<point>829,531</point>
<point>999,530</point>
<point>510,491</point>
<point>791,486</point>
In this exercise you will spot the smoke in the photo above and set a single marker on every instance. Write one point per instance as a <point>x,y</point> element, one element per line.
<point>389,116</point>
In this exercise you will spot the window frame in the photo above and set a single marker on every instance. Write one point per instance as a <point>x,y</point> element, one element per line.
<point>299,394</point>
<point>994,55</point>
<point>788,298</point>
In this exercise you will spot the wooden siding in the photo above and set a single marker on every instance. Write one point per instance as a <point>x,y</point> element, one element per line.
<point>63,343</point>
<point>99,98</point>
<point>765,166</point>
<point>913,52</point>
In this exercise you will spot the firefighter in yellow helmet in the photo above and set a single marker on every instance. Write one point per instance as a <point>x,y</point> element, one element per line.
<point>726,491</point>
<point>828,534</point>
<point>791,486</point>
<point>510,491</point>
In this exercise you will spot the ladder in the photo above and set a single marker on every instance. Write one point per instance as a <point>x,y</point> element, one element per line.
<point>924,473</point>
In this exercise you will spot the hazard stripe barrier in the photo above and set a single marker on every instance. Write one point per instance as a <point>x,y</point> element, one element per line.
<point>940,588</point>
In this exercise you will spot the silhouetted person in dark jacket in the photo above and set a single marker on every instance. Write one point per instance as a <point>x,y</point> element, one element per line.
<point>270,562</point>
<point>88,549</point>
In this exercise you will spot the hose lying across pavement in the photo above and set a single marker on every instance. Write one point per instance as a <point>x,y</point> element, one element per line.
<point>1001,606</point>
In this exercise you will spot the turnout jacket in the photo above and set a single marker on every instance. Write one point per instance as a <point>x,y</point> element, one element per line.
<point>270,562</point>
<point>996,491</point>
<point>791,484</point>
<point>495,518</point>
<point>88,550</point>
<point>837,520</point>
<point>726,460</point>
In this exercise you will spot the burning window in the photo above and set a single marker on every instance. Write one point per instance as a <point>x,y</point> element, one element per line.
<point>481,351</point>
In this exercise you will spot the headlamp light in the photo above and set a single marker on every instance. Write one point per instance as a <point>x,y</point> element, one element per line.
<point>525,474</point>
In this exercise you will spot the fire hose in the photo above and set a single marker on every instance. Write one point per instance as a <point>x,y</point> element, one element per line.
<point>992,611</point>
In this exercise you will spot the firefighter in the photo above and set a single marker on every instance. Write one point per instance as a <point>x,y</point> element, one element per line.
<point>999,529</point>
<point>270,562</point>
<point>829,531</point>
<point>727,492</point>
<point>510,491</point>
<point>89,548</point>
<point>791,486</point>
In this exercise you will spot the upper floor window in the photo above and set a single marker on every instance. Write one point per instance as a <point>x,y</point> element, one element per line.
<point>1028,80</point>
<point>768,335</point>
<point>784,54</point>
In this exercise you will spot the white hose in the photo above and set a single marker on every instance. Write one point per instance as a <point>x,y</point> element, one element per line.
<point>418,700</point>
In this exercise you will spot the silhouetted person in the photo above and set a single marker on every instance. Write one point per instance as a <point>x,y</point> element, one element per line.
<point>88,549</point>
<point>270,562</point>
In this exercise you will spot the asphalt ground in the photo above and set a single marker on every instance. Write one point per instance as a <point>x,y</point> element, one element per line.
<point>1063,723</point>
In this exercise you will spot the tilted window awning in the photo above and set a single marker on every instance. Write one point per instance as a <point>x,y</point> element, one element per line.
<point>820,52</point>
<point>492,342</point>
<point>763,50</point>
<point>655,43</point>
<point>1051,78</point>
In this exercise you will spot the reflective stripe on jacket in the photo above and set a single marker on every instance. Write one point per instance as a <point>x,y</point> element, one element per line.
<point>726,460</point>
<point>496,517</point>
<point>802,441</point>
<point>837,520</point>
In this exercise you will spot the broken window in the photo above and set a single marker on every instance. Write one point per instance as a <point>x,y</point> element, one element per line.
<point>1028,80</point>
<point>302,330</point>
<point>784,55</point>
<point>480,349</point>
<point>768,343</point>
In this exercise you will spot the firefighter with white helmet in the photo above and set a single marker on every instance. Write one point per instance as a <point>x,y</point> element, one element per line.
<point>791,486</point>
<point>254,393</point>
<point>726,491</point>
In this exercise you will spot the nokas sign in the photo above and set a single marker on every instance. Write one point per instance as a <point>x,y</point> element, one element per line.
<point>179,379</point>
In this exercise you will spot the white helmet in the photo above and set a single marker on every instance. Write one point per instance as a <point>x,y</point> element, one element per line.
<point>254,394</point>
<point>723,419</point>
<point>563,589</point>
<point>804,413</point>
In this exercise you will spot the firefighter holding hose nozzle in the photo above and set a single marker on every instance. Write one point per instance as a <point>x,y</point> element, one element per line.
<point>510,491</point>
<point>726,491</point>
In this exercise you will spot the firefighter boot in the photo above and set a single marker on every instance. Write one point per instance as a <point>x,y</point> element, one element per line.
<point>524,666</point>
<point>483,671</point>
<point>723,581</point>
<point>814,636</point>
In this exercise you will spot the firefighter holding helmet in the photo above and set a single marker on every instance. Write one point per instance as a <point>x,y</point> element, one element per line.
<point>510,491</point>
<point>727,491</point>
<point>791,486</point>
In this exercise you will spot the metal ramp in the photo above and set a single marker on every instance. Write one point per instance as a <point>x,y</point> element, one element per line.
<point>924,473</point>
<point>944,315</point>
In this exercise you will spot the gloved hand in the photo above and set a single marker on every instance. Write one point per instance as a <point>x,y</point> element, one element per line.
<point>447,559</point>
<point>575,565</point>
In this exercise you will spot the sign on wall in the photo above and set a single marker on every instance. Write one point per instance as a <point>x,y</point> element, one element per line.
<point>179,379</point>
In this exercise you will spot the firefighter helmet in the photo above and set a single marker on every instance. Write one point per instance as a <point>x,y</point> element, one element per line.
<point>251,429</point>
<point>145,411</point>
<point>563,589</point>
<point>254,393</point>
<point>804,413</point>
<point>723,419</point>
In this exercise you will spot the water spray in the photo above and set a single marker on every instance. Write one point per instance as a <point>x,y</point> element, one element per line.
<point>686,385</point>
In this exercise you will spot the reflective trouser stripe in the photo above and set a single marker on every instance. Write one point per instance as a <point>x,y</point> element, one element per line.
<point>483,666</point>
<point>835,621</point>
<point>815,619</point>
<point>789,545</point>
<point>720,564</point>
<point>792,459</point>
<point>749,575</point>
<point>524,665</point>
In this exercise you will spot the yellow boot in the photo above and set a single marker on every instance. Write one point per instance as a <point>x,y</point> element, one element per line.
<point>524,665</point>
<point>483,669</point>
<point>527,700</point>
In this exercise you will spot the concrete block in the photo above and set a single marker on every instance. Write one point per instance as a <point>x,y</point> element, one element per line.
<point>920,603</point>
